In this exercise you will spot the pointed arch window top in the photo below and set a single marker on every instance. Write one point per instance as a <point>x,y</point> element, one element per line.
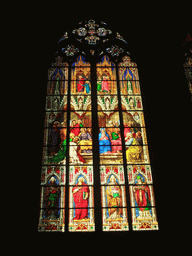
<point>59,62</point>
<point>127,62</point>
<point>80,62</point>
<point>105,62</point>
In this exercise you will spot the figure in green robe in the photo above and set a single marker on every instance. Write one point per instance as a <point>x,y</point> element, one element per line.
<point>60,156</point>
<point>116,143</point>
<point>98,86</point>
<point>115,136</point>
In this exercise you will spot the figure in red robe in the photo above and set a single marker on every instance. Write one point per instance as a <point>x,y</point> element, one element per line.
<point>80,84</point>
<point>81,195</point>
<point>142,195</point>
<point>105,85</point>
<point>76,127</point>
<point>138,103</point>
<point>129,129</point>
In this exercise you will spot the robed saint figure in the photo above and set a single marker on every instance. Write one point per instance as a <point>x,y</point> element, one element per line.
<point>80,196</point>
<point>80,84</point>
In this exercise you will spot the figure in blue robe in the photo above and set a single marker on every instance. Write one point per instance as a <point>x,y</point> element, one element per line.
<point>104,141</point>
<point>87,87</point>
<point>54,139</point>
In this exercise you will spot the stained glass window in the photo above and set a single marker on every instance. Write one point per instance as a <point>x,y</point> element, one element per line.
<point>188,61</point>
<point>96,173</point>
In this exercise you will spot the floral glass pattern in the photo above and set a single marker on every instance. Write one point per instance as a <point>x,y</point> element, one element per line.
<point>114,50</point>
<point>70,50</point>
